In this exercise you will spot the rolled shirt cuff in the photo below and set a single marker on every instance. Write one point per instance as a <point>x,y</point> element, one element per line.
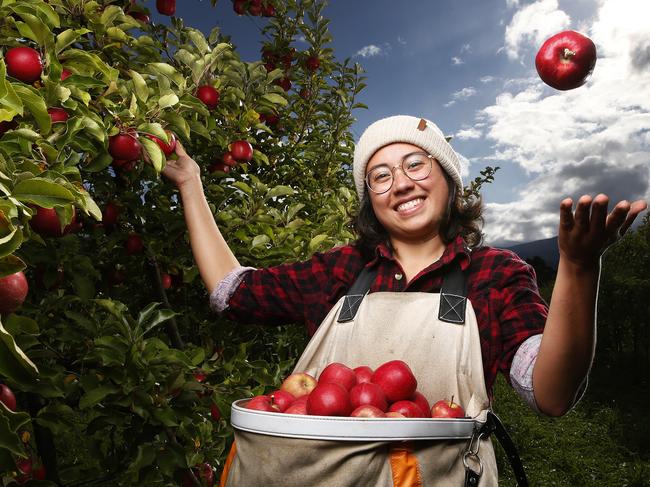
<point>221,293</point>
<point>521,370</point>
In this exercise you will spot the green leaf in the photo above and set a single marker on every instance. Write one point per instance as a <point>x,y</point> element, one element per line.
<point>42,192</point>
<point>153,129</point>
<point>67,37</point>
<point>140,85</point>
<point>275,98</point>
<point>243,187</point>
<point>10,264</point>
<point>260,240</point>
<point>167,101</point>
<point>13,361</point>
<point>279,191</point>
<point>15,324</point>
<point>36,105</point>
<point>8,97</point>
<point>11,424</point>
<point>315,242</point>
<point>154,152</point>
<point>96,395</point>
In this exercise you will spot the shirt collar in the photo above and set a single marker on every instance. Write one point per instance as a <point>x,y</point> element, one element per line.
<point>456,249</point>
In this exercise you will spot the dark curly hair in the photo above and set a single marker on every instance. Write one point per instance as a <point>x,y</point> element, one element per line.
<point>464,216</point>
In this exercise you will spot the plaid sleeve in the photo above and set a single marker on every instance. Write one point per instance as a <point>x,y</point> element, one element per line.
<point>300,292</point>
<point>522,311</point>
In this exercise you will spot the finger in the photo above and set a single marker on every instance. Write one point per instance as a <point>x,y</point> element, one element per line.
<point>617,217</point>
<point>635,209</point>
<point>566,215</point>
<point>599,213</point>
<point>582,212</point>
<point>180,150</point>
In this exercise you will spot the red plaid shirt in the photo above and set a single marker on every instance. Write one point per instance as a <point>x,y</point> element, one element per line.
<point>501,287</point>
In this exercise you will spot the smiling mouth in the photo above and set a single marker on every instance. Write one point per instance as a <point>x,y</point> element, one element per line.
<point>409,205</point>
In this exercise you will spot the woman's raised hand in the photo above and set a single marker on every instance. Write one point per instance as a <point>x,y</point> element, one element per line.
<point>584,235</point>
<point>182,170</point>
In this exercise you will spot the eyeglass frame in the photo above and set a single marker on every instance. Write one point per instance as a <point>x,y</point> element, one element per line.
<point>401,166</point>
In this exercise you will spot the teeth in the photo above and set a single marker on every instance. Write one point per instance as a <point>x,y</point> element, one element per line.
<point>409,204</point>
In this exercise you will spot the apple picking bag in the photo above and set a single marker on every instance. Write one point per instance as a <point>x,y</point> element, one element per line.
<point>437,335</point>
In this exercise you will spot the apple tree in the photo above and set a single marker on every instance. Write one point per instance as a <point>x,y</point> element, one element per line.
<point>120,372</point>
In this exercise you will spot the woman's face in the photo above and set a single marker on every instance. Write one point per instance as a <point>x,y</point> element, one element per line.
<point>409,210</point>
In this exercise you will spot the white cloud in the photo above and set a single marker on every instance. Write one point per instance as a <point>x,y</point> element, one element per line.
<point>370,51</point>
<point>512,3</point>
<point>401,41</point>
<point>487,79</point>
<point>464,94</point>
<point>532,25</point>
<point>456,61</point>
<point>465,48</point>
<point>469,133</point>
<point>585,141</point>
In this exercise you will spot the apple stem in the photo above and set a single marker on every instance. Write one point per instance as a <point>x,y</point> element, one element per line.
<point>451,401</point>
<point>568,53</point>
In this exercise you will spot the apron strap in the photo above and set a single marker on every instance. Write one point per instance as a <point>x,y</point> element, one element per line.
<point>453,295</point>
<point>494,425</point>
<point>355,294</point>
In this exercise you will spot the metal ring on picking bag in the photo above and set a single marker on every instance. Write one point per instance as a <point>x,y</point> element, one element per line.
<point>477,459</point>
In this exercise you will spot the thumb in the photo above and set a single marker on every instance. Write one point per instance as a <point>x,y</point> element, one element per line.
<point>180,150</point>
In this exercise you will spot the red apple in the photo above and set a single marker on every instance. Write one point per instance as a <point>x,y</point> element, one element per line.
<point>304,93</point>
<point>6,395</point>
<point>219,166</point>
<point>58,114</point>
<point>208,95</point>
<point>46,222</point>
<point>228,159</point>
<point>140,16</point>
<point>166,280</point>
<point>66,73</point>
<point>24,64</point>
<point>241,150</point>
<point>199,375</point>
<point>204,474</point>
<point>299,384</point>
<point>110,215</point>
<point>215,414</point>
<point>312,63</point>
<point>284,83</point>
<point>329,399</point>
<point>298,407</point>
<point>167,147</point>
<point>394,414</point>
<point>363,373</point>
<point>268,10</point>
<point>419,399</point>
<point>262,403</point>
<point>13,291</point>
<point>367,411</point>
<point>339,374</point>
<point>409,409</point>
<point>396,380</point>
<point>255,7</point>
<point>40,473</point>
<point>124,146</point>
<point>281,399</point>
<point>239,6</point>
<point>134,244</point>
<point>566,60</point>
<point>447,409</point>
<point>166,7</point>
<point>368,394</point>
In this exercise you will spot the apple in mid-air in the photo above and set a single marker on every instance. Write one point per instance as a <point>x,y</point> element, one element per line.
<point>566,60</point>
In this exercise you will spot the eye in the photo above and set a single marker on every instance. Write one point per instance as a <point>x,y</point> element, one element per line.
<point>379,174</point>
<point>414,164</point>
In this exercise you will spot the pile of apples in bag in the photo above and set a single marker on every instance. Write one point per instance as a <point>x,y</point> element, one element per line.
<point>390,391</point>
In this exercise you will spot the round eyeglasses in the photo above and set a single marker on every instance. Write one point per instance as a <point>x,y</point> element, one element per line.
<point>416,166</point>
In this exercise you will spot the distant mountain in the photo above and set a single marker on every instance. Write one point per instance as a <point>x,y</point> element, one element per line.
<point>545,249</point>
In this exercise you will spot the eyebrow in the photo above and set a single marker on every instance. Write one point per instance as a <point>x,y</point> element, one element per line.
<point>403,157</point>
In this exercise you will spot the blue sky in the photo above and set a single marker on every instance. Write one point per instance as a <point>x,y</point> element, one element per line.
<point>468,65</point>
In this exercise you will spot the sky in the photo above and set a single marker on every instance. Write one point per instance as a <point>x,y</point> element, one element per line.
<point>469,66</point>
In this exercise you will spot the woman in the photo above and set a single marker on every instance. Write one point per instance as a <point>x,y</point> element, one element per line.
<point>415,232</point>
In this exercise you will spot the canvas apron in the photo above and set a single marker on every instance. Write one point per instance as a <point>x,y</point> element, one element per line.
<point>446,359</point>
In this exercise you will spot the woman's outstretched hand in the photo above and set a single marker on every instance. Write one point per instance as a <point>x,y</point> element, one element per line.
<point>182,170</point>
<point>584,235</point>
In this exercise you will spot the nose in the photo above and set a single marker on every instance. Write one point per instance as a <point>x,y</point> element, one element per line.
<point>401,181</point>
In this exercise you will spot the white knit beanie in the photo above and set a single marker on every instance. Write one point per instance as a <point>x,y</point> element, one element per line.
<point>404,128</point>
